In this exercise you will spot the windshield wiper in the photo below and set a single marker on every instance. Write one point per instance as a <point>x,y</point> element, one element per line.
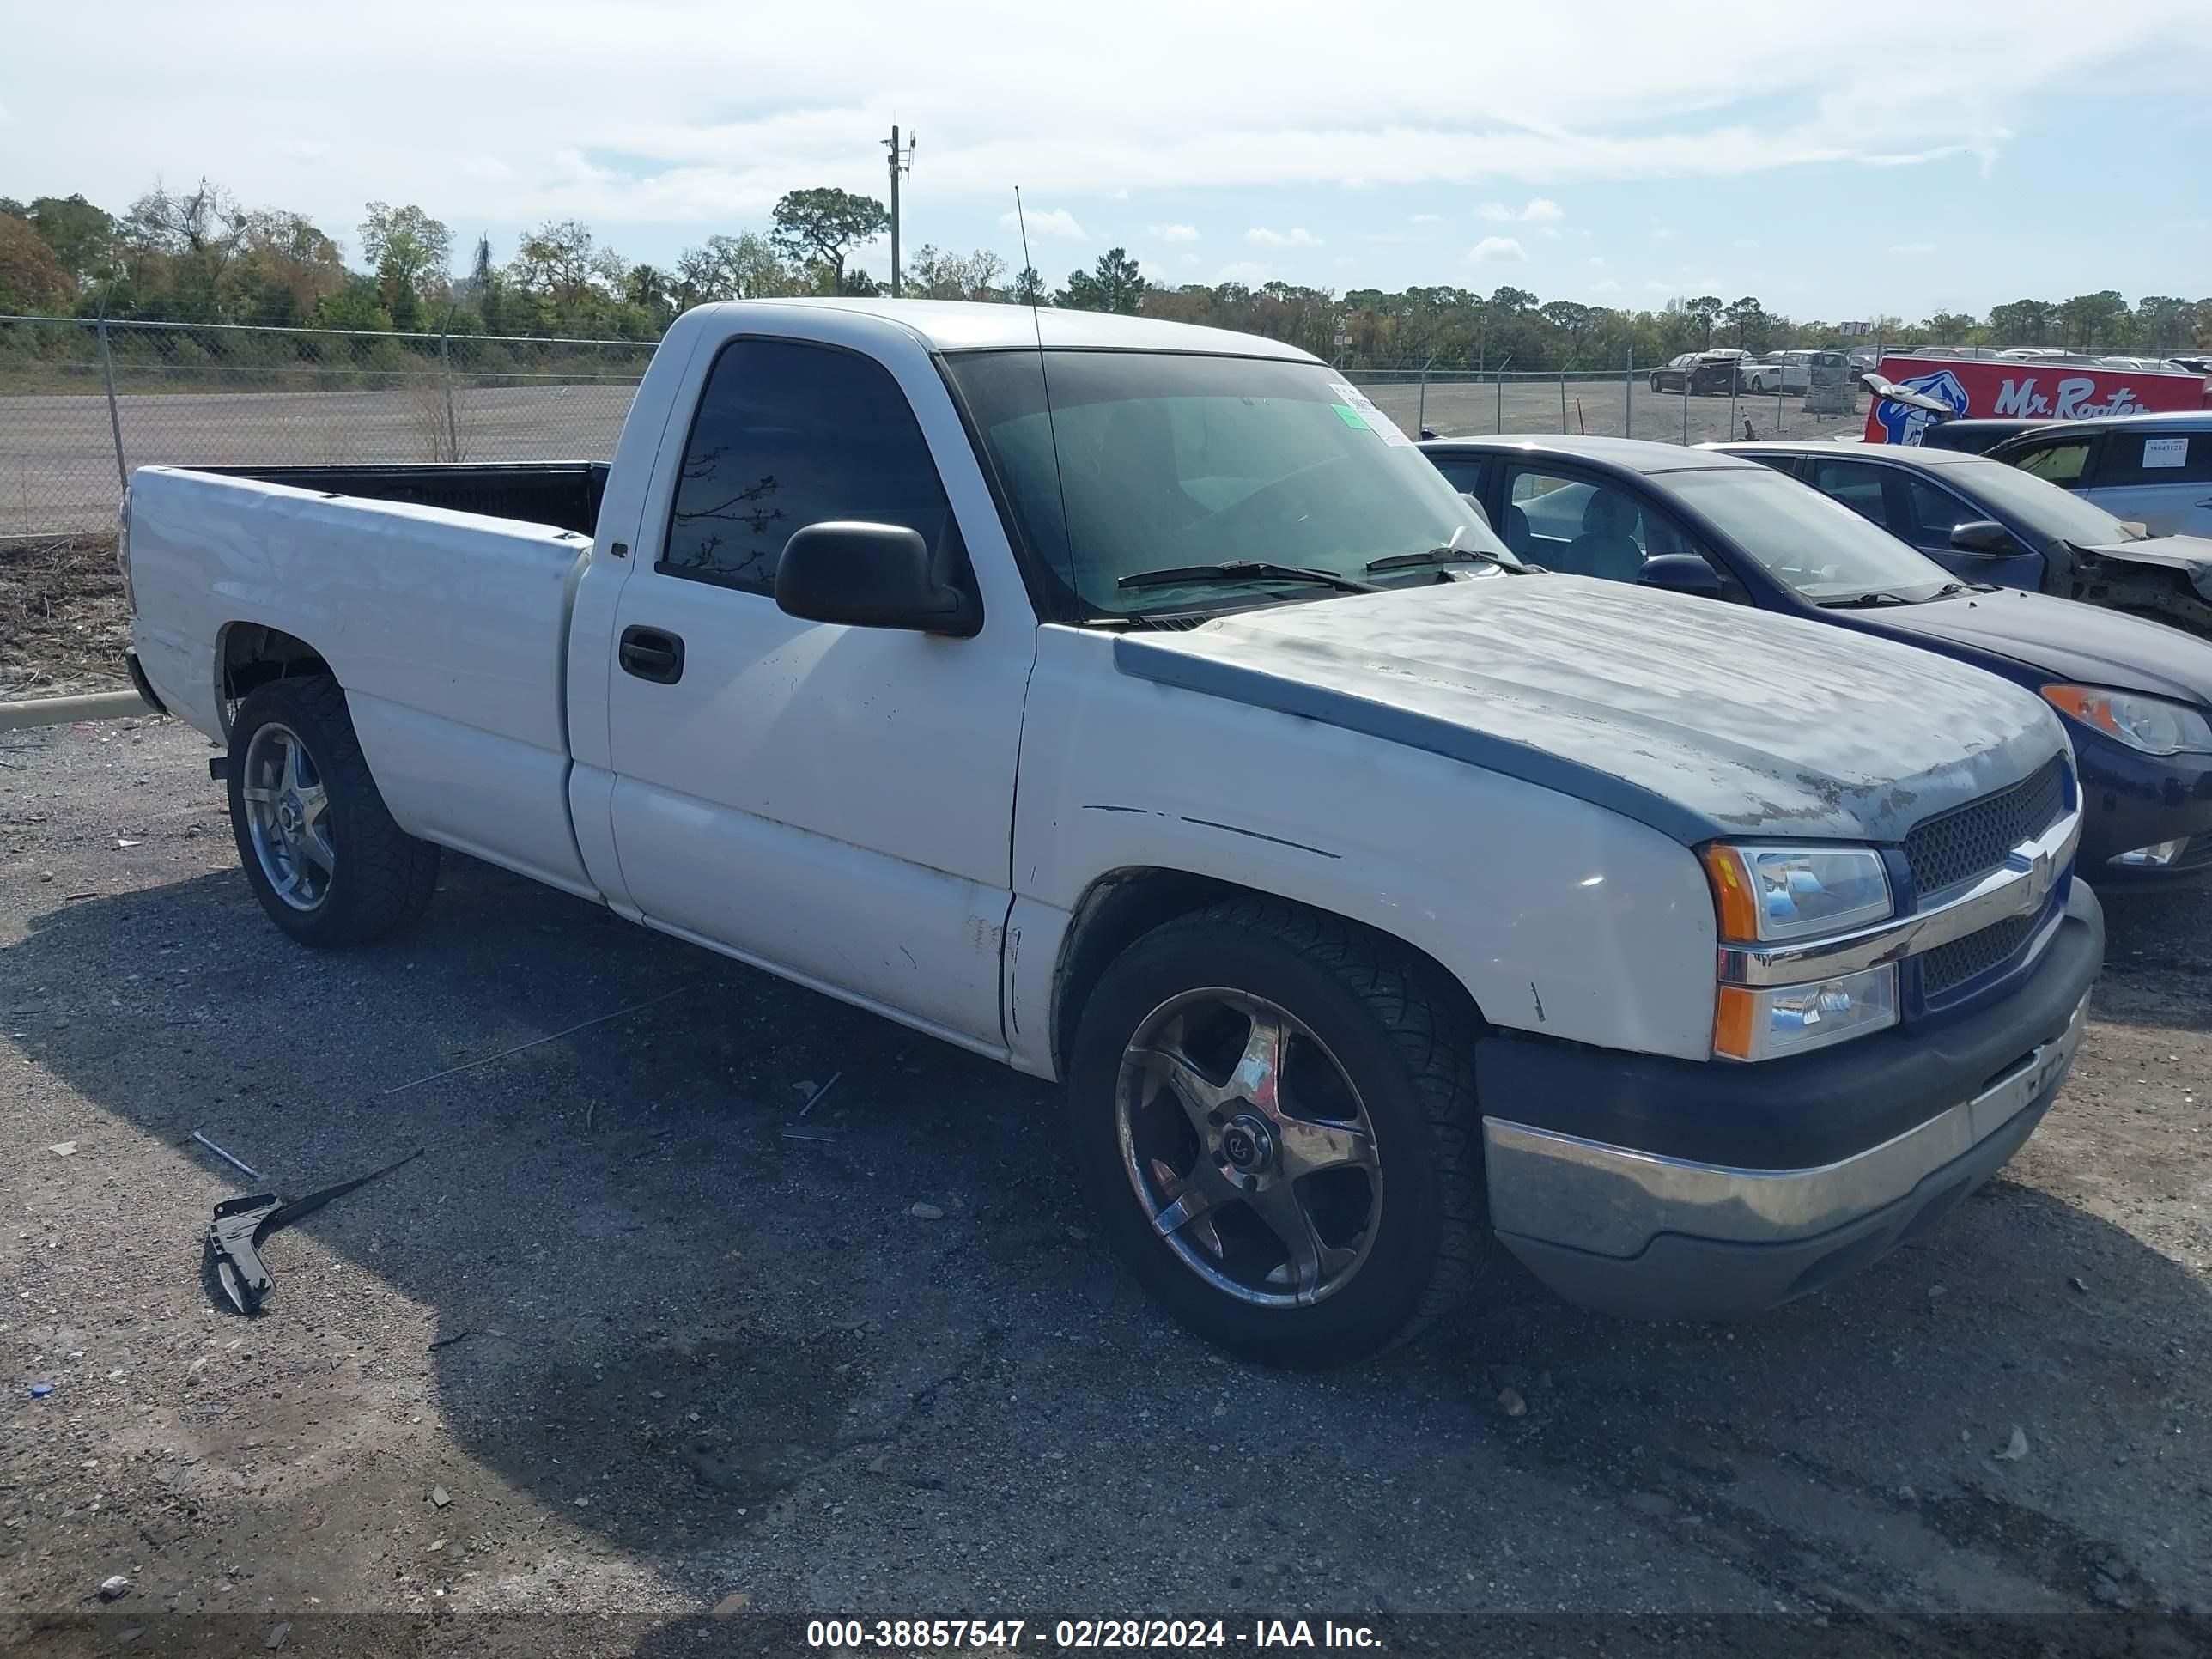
<point>1245,570</point>
<point>1864,602</point>
<point>1446,556</point>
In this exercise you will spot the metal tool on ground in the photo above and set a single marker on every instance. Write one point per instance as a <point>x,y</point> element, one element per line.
<point>234,1237</point>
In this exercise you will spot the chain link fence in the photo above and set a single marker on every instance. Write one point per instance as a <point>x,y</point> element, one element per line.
<point>1622,402</point>
<point>82,401</point>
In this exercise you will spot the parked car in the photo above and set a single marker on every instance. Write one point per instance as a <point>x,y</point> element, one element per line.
<point>1182,736</point>
<point>1697,371</point>
<point>1971,436</point>
<point>2137,698</point>
<point>1986,521</point>
<point>1762,374</point>
<point>2155,470</point>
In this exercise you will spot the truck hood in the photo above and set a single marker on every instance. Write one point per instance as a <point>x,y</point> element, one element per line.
<point>2191,555</point>
<point>2061,639</point>
<point>1702,720</point>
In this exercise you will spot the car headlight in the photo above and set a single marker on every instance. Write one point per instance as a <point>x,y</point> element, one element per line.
<point>1762,894</point>
<point>1768,1022</point>
<point>2153,724</point>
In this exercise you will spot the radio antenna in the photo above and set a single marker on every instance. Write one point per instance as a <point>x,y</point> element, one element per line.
<point>1030,280</point>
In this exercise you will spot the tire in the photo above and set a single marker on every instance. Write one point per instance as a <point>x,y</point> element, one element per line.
<point>1655,386</point>
<point>1372,1092</point>
<point>318,848</point>
<point>1758,387</point>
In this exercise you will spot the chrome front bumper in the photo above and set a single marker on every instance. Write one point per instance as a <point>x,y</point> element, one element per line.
<point>1606,1200</point>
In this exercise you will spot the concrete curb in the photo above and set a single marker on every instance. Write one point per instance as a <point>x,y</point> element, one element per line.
<point>63,711</point>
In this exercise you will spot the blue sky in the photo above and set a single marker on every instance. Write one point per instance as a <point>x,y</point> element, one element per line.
<point>1836,160</point>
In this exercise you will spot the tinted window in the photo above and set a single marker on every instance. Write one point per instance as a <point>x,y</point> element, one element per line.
<point>1465,473</point>
<point>1929,514</point>
<point>788,435</point>
<point>2059,464</point>
<point>2170,458</point>
<point>1854,483</point>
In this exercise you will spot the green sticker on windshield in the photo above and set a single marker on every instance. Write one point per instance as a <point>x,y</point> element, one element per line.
<point>1349,416</point>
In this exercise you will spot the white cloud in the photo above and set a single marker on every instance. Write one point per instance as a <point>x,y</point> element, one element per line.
<point>1605,285</point>
<point>1541,210</point>
<point>1745,241</point>
<point>1910,249</point>
<point>1424,218</point>
<point>1593,97</point>
<point>1663,234</point>
<point>1152,273</point>
<point>1117,195</point>
<point>1549,233</point>
<point>1657,287</point>
<point>1050,222</point>
<point>1244,271</point>
<point>1498,250</point>
<point>1260,236</point>
<point>1173,233</point>
<point>1597,258</point>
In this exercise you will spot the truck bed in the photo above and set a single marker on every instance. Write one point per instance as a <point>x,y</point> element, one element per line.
<point>562,494</point>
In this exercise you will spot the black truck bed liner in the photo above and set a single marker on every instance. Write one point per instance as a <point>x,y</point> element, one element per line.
<point>563,493</point>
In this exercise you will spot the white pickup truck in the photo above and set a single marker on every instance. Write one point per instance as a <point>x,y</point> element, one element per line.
<point>1133,703</point>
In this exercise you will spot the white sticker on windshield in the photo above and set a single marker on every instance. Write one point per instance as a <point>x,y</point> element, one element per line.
<point>1362,405</point>
<point>2164,451</point>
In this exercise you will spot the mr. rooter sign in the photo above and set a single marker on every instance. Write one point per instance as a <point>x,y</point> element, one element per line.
<point>2001,388</point>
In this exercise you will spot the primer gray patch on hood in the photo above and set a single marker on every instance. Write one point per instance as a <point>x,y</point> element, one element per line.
<point>1698,718</point>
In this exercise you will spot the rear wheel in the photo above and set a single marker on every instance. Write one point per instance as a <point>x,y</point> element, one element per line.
<point>1276,1126</point>
<point>320,850</point>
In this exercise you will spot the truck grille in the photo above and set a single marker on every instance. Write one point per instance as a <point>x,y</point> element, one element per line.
<point>1962,959</point>
<point>1972,840</point>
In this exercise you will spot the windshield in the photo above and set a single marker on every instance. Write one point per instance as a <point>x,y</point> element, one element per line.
<point>1166,459</point>
<point>2037,503</point>
<point>1819,547</point>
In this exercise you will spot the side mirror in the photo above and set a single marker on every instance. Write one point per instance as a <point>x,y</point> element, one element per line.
<point>1981,535</point>
<point>869,576</point>
<point>2136,528</point>
<point>1681,573</point>
<point>1475,507</point>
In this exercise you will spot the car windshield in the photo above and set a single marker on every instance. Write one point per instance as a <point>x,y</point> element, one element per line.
<point>1819,547</point>
<point>2041,505</point>
<point>1149,461</point>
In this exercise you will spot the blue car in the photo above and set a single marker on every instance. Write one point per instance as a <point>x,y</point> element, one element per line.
<point>2135,697</point>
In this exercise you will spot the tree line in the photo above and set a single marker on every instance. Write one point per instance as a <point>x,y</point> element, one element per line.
<point>201,256</point>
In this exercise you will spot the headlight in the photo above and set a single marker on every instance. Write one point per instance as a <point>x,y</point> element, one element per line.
<point>1768,893</point>
<point>2151,724</point>
<point>1788,1019</point>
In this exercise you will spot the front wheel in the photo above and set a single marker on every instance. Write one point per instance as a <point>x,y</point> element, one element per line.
<point>1274,1121</point>
<point>1655,386</point>
<point>320,850</point>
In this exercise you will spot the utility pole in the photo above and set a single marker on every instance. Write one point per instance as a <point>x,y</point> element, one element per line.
<point>901,164</point>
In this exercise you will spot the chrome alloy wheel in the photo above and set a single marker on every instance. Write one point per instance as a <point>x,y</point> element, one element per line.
<point>1249,1147</point>
<point>287,817</point>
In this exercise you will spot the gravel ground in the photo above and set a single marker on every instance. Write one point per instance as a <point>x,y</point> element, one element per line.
<point>638,1333</point>
<point>63,621</point>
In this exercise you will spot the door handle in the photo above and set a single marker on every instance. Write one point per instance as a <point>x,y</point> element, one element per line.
<point>650,654</point>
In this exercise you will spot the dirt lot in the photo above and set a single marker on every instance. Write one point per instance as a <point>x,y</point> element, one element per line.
<point>62,622</point>
<point>637,1335</point>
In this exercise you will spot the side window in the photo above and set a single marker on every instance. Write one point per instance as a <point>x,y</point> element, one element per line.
<point>1854,483</point>
<point>786,435</point>
<point>1931,514</point>
<point>2060,463</point>
<point>2172,458</point>
<point>1567,524</point>
<point>1465,472</point>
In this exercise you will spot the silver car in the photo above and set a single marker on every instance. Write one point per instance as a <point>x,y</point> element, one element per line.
<point>2155,470</point>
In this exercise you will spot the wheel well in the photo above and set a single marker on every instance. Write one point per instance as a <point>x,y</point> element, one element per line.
<point>252,655</point>
<point>1120,907</point>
